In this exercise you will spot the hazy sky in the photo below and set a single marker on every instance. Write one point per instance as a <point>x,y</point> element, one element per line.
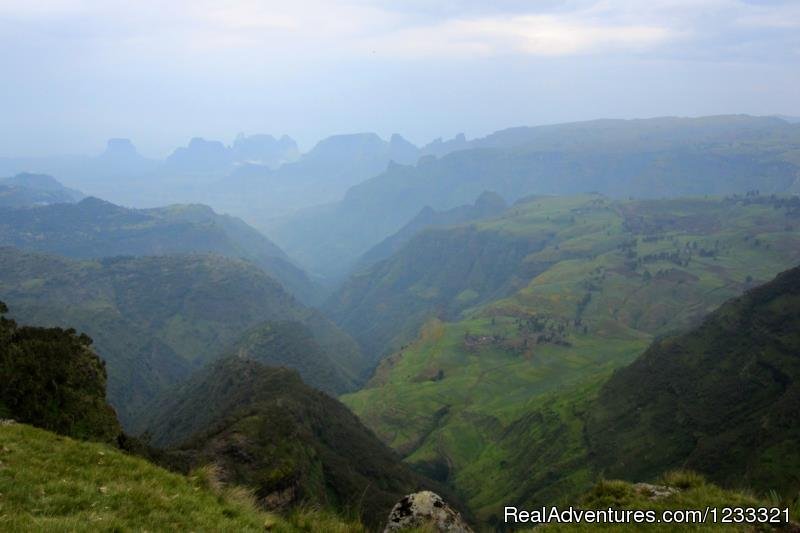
<point>77,72</point>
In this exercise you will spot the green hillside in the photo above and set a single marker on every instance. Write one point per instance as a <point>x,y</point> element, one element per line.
<point>265,429</point>
<point>283,436</point>
<point>591,246</point>
<point>487,204</point>
<point>53,483</point>
<point>722,399</point>
<point>155,319</point>
<point>94,228</point>
<point>491,395</point>
<point>292,344</point>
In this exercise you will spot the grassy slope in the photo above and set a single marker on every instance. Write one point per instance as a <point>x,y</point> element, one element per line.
<point>53,483</point>
<point>721,399</point>
<point>486,205</point>
<point>694,493</point>
<point>465,413</point>
<point>296,436</point>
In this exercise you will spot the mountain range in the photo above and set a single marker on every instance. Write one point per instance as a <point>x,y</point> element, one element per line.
<point>640,158</point>
<point>259,193</point>
<point>257,177</point>
<point>596,314</point>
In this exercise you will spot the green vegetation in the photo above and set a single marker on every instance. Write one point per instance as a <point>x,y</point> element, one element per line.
<point>722,399</point>
<point>486,205</point>
<point>684,490</point>
<point>246,424</point>
<point>292,344</point>
<point>492,394</point>
<point>557,253</point>
<point>94,228</point>
<point>51,378</point>
<point>155,319</point>
<point>54,483</point>
<point>294,446</point>
<point>521,355</point>
<point>384,306</point>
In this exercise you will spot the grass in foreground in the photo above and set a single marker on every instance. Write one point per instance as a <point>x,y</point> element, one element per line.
<point>54,483</point>
<point>693,492</point>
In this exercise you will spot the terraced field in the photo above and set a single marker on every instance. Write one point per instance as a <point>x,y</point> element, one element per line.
<point>491,398</point>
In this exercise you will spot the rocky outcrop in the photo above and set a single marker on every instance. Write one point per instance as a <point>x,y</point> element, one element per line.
<point>655,492</point>
<point>425,508</point>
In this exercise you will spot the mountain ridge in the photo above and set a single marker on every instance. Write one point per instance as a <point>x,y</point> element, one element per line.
<point>94,228</point>
<point>718,399</point>
<point>644,159</point>
<point>293,445</point>
<point>27,190</point>
<point>155,319</point>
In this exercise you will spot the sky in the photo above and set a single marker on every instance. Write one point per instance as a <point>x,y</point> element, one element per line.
<point>76,72</point>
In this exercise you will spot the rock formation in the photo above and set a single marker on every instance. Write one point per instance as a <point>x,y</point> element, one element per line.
<point>425,508</point>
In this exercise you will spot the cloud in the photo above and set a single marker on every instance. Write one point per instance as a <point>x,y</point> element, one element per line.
<point>413,29</point>
<point>775,17</point>
<point>538,35</point>
<point>354,28</point>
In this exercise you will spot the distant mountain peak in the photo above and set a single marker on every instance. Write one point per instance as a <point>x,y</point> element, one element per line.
<point>201,156</point>
<point>396,138</point>
<point>393,164</point>
<point>264,149</point>
<point>120,147</point>
<point>492,200</point>
<point>439,147</point>
<point>121,156</point>
<point>241,137</point>
<point>350,139</point>
<point>28,189</point>
<point>199,142</point>
<point>33,181</point>
<point>93,201</point>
